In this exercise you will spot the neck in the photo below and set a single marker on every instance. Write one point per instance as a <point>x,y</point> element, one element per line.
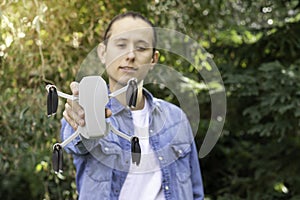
<point>122,97</point>
<point>140,99</point>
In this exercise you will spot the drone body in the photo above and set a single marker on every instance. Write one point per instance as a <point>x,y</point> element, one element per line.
<point>93,97</point>
<point>93,102</point>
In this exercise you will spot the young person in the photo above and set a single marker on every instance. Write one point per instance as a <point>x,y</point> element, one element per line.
<point>169,166</point>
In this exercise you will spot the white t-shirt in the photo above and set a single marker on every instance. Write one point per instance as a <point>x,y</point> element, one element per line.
<point>145,180</point>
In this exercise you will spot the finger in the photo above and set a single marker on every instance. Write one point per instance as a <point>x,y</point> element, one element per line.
<point>108,113</point>
<point>75,113</point>
<point>70,121</point>
<point>76,108</point>
<point>74,88</point>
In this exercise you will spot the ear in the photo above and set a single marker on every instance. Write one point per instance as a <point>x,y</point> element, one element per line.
<point>154,59</point>
<point>101,51</point>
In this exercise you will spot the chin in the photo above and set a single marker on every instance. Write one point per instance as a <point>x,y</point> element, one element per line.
<point>123,81</point>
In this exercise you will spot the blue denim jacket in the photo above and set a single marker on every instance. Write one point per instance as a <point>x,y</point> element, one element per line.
<point>102,164</point>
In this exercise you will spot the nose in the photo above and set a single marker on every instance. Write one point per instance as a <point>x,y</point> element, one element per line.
<point>130,55</point>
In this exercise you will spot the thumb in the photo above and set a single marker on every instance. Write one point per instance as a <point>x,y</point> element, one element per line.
<point>74,88</point>
<point>108,112</point>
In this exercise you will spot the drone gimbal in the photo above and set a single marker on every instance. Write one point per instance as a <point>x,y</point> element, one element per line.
<point>93,97</point>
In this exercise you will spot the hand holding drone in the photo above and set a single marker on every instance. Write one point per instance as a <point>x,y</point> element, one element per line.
<point>93,97</point>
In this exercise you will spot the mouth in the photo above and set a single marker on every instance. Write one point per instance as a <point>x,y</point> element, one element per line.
<point>128,69</point>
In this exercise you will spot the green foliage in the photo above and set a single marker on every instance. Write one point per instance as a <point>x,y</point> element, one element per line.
<point>255,44</point>
<point>276,111</point>
<point>254,168</point>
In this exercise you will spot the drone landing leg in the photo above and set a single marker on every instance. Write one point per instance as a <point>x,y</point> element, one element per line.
<point>135,145</point>
<point>57,159</point>
<point>57,155</point>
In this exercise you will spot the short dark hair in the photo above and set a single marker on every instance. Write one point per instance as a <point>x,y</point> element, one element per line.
<point>133,15</point>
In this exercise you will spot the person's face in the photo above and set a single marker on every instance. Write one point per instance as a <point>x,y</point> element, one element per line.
<point>129,51</point>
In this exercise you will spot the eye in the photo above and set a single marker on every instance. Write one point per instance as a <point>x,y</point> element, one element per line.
<point>121,45</point>
<point>141,48</point>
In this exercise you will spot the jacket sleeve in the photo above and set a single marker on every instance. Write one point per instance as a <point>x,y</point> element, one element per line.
<point>198,192</point>
<point>76,146</point>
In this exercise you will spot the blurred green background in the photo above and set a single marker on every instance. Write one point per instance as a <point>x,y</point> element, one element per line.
<point>255,44</point>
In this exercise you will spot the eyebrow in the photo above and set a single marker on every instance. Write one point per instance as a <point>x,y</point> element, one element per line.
<point>144,42</point>
<point>120,39</point>
<point>125,39</point>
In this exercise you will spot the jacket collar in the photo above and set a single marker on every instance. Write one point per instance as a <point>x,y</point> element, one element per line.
<point>115,106</point>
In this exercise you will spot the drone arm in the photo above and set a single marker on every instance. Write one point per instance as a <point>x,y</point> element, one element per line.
<point>57,156</point>
<point>117,132</point>
<point>67,96</point>
<point>135,145</point>
<point>69,139</point>
<point>123,89</point>
<point>62,94</point>
<point>120,91</point>
<point>110,128</point>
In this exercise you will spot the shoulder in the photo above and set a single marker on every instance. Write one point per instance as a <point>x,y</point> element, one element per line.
<point>174,124</point>
<point>170,109</point>
<point>166,104</point>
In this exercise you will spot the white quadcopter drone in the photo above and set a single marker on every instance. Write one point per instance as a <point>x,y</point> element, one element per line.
<point>93,97</point>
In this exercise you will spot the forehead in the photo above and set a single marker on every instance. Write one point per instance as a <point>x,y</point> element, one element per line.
<point>132,28</point>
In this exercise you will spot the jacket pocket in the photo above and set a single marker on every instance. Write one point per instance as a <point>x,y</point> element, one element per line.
<point>102,159</point>
<point>96,181</point>
<point>184,185</point>
<point>183,174</point>
<point>96,170</point>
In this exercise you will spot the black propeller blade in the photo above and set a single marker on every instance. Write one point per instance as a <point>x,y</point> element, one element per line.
<point>131,93</point>
<point>52,101</point>
<point>135,150</point>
